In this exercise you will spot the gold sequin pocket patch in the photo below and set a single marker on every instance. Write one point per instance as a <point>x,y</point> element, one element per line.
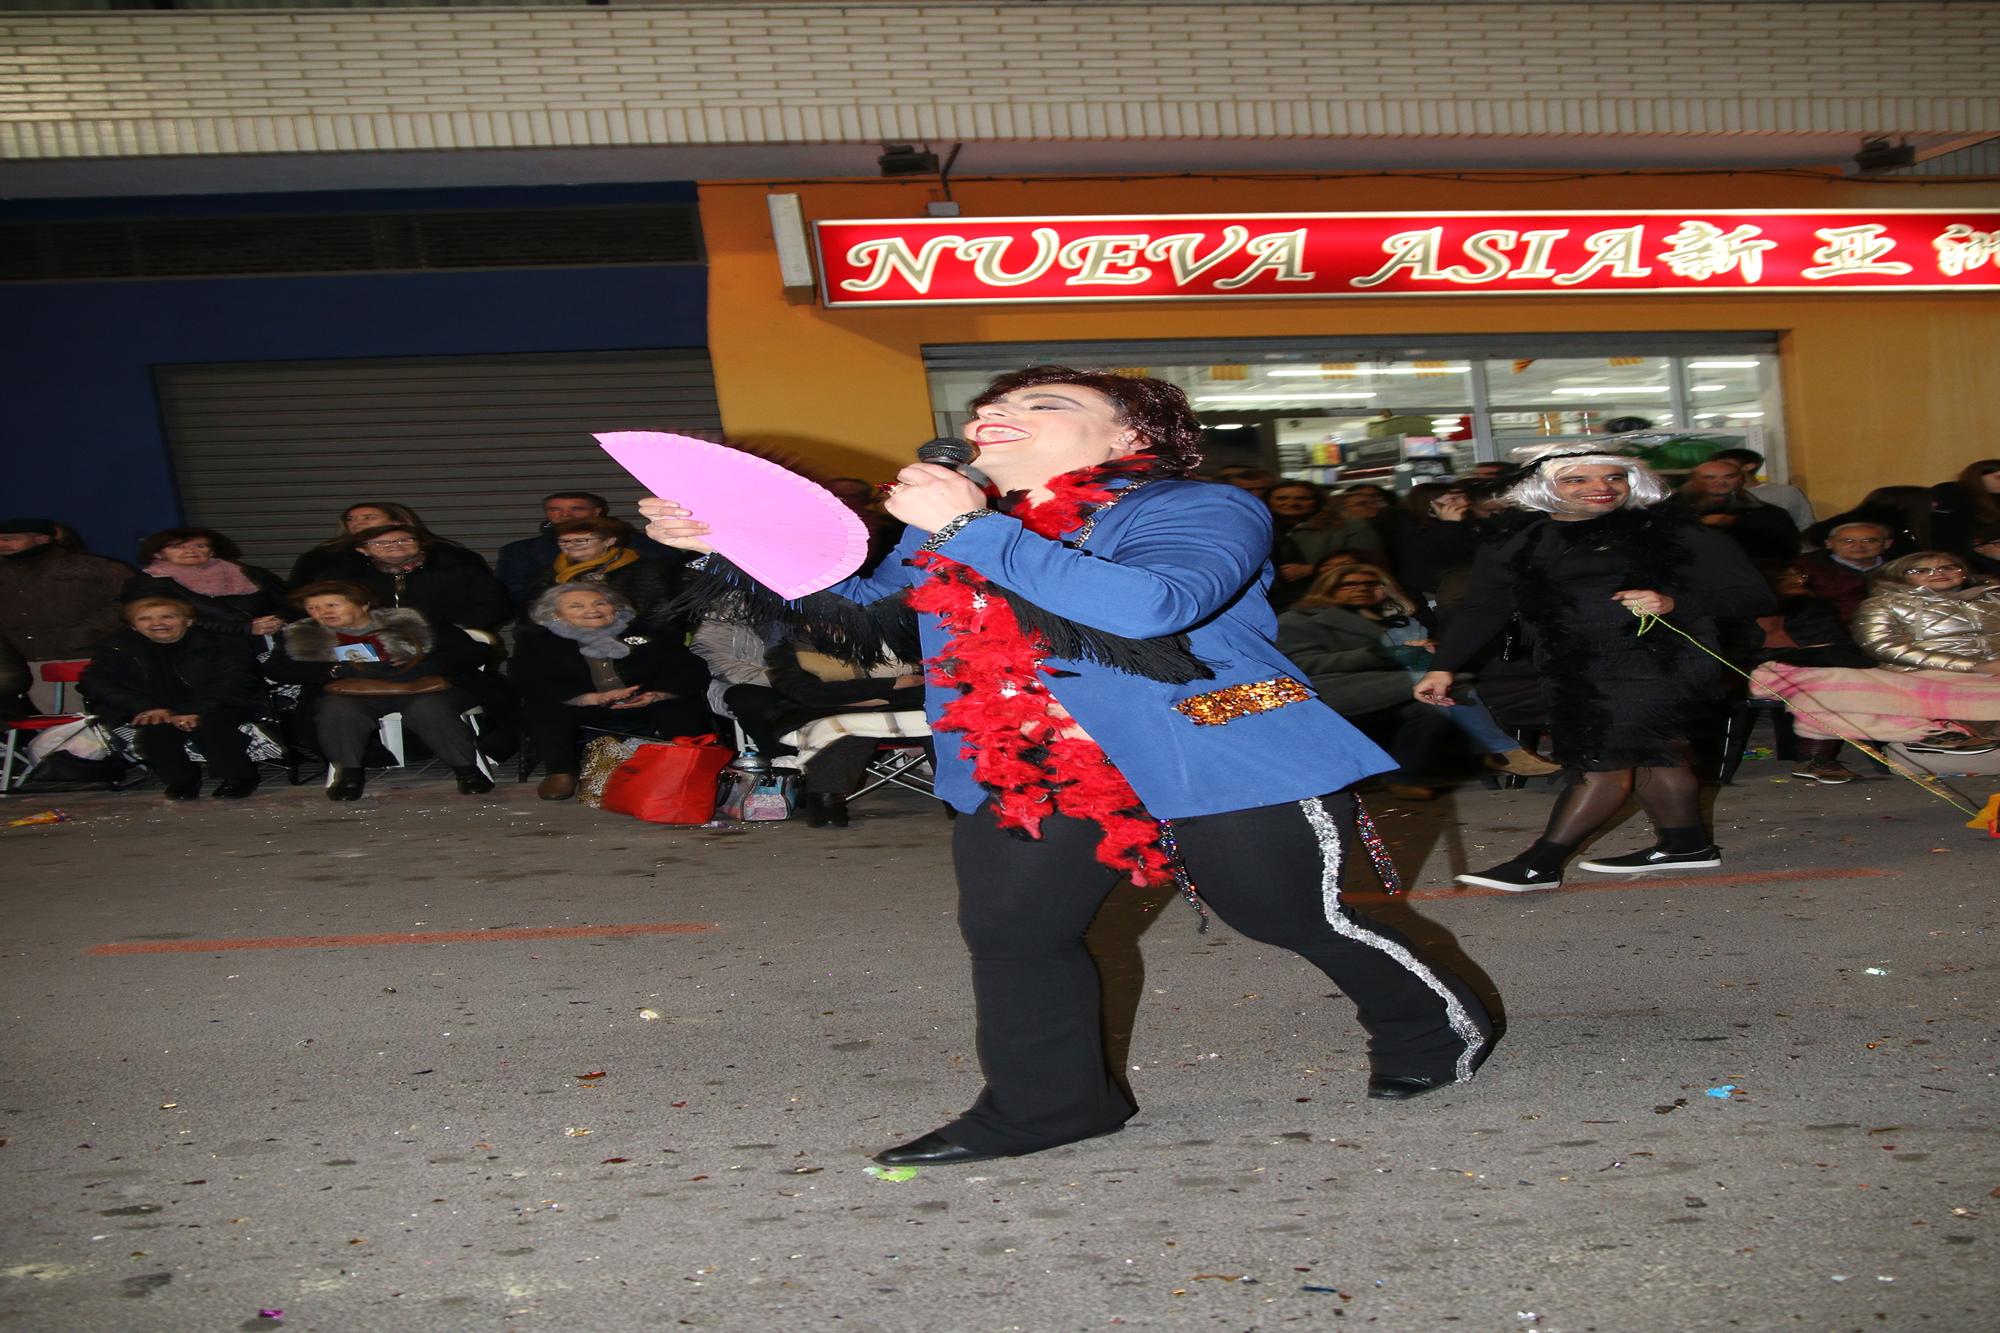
<point>1257,696</point>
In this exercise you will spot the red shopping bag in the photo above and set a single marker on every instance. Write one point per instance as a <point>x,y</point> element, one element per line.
<point>672,782</point>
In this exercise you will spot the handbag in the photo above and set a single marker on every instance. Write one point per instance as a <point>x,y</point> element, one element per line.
<point>671,782</point>
<point>757,796</point>
<point>601,757</point>
<point>369,686</point>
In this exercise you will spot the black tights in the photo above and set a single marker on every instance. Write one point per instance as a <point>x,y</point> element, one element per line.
<point>1671,798</point>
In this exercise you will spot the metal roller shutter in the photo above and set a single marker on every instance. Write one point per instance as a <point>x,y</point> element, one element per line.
<point>271,453</point>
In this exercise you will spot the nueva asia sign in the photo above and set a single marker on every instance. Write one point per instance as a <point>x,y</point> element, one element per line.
<point>1261,256</point>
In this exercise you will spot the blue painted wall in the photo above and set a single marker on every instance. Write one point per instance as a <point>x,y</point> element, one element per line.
<point>84,441</point>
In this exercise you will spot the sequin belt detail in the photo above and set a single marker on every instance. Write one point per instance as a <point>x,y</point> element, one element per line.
<point>1257,696</point>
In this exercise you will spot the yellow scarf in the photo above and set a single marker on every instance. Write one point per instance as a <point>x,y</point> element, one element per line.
<point>596,567</point>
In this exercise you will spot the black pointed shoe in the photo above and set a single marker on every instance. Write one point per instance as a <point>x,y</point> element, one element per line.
<point>933,1149</point>
<point>471,782</point>
<point>347,783</point>
<point>236,790</point>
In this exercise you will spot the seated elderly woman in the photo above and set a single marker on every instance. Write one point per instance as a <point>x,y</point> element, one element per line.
<point>1936,630</point>
<point>172,681</point>
<point>598,667</point>
<point>1355,635</point>
<point>836,713</point>
<point>356,663</point>
<point>600,551</point>
<point>205,569</point>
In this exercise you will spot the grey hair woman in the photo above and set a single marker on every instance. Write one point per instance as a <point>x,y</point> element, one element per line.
<point>1620,705</point>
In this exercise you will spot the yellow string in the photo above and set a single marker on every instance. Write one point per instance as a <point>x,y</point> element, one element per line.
<point>1927,781</point>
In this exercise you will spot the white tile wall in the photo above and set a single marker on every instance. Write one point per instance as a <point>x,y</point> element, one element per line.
<point>96,84</point>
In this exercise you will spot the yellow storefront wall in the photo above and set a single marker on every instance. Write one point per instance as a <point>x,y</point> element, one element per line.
<point>1879,390</point>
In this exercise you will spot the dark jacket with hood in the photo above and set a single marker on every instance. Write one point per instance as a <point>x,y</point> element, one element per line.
<point>201,673</point>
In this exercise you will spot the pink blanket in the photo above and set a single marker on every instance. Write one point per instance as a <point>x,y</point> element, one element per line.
<point>1884,705</point>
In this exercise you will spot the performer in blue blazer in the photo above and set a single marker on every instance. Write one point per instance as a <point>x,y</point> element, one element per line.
<point>1109,704</point>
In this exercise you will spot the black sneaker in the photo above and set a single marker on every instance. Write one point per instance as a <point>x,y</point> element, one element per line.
<point>1513,877</point>
<point>1635,863</point>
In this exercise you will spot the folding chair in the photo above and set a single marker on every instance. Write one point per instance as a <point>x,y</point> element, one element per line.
<point>61,675</point>
<point>900,761</point>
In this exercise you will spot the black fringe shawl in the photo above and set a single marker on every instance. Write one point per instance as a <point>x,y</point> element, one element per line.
<point>886,630</point>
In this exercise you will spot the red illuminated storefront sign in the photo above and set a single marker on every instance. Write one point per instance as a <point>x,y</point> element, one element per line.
<point>1261,256</point>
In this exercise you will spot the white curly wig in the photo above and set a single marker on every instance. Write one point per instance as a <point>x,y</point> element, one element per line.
<point>1545,463</point>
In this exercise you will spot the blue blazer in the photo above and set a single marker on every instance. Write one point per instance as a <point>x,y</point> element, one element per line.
<point>1176,557</point>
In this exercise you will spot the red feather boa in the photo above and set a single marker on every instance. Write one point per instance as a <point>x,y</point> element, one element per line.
<point>1012,728</point>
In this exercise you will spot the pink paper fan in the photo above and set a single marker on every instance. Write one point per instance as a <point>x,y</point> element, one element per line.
<point>790,534</point>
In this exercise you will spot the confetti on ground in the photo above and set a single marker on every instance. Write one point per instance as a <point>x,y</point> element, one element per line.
<point>1876,971</point>
<point>649,1015</point>
<point>897,1173</point>
<point>39,817</point>
<point>574,1132</point>
<point>1722,1093</point>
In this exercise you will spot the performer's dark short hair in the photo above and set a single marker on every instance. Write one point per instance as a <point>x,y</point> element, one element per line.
<point>1158,411</point>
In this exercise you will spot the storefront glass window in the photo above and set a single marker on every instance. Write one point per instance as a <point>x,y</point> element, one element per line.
<point>1328,414</point>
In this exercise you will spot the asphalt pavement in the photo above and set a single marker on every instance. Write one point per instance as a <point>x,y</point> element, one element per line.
<point>432,1062</point>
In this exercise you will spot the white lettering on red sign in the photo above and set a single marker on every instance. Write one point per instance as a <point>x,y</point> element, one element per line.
<point>1961,249</point>
<point>1617,251</point>
<point>1091,261</point>
<point>1194,257</point>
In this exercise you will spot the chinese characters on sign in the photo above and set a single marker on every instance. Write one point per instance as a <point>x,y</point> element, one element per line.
<point>962,261</point>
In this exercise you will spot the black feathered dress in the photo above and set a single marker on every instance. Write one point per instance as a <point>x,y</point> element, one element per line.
<point>1617,699</point>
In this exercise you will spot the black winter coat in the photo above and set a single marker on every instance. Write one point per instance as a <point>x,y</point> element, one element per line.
<point>452,587</point>
<point>209,671</point>
<point>57,604</point>
<point>547,669</point>
<point>229,614</point>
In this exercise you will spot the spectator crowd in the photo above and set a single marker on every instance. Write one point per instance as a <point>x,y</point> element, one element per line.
<point>1886,623</point>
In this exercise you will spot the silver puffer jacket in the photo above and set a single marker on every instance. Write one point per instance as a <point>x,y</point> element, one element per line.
<point>1916,629</point>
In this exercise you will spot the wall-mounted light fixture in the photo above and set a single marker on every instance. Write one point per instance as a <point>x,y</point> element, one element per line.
<point>788,231</point>
<point>901,159</point>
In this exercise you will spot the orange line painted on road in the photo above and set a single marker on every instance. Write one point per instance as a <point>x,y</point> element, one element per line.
<point>1595,883</point>
<point>404,937</point>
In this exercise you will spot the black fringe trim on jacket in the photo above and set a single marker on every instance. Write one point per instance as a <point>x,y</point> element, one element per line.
<point>886,630</point>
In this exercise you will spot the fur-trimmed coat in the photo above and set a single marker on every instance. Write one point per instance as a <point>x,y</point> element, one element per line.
<point>304,654</point>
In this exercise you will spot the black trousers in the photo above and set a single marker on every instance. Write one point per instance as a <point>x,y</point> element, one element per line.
<point>215,734</point>
<point>1272,873</point>
<point>347,722</point>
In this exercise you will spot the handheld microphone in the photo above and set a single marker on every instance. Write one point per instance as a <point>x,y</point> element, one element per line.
<point>947,451</point>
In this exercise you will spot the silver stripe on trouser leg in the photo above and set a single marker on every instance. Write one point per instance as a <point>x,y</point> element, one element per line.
<point>1461,1022</point>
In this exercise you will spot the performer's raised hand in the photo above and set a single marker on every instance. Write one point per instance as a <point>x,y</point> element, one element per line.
<point>670,525</point>
<point>928,496</point>
<point>1434,687</point>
